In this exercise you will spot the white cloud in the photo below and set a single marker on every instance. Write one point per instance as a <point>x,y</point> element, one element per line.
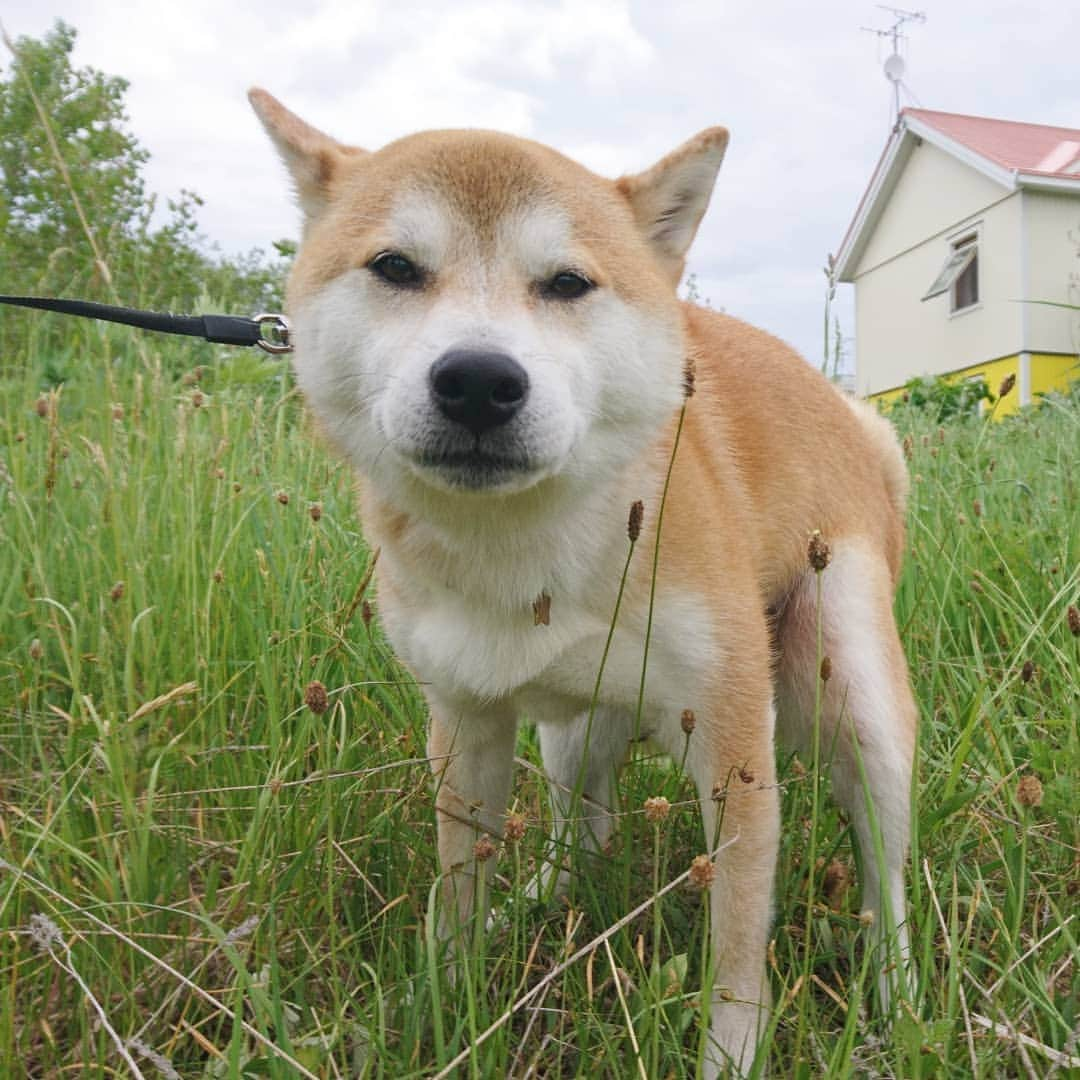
<point>616,83</point>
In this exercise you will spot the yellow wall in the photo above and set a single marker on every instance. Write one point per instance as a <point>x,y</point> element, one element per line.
<point>1048,372</point>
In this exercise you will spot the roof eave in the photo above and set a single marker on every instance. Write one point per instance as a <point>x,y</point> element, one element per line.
<point>893,158</point>
<point>1002,175</point>
<point>1044,182</point>
<point>897,151</point>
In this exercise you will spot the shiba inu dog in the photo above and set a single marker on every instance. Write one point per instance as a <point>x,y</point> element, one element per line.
<point>490,334</point>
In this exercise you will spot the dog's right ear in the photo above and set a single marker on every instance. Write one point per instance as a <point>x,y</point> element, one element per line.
<point>312,157</point>
<point>669,200</point>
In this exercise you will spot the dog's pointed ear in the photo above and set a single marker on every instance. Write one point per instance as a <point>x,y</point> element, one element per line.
<point>312,157</point>
<point>670,199</point>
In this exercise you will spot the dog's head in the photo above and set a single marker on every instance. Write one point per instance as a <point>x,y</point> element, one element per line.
<point>475,312</point>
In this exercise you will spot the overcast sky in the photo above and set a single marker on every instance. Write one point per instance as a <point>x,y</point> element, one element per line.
<point>615,84</point>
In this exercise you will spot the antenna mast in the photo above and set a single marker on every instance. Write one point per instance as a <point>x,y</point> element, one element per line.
<point>894,65</point>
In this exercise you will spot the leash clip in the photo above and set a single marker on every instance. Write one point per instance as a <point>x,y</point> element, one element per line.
<point>274,332</point>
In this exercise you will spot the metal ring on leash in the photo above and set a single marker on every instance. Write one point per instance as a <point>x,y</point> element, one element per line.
<point>274,330</point>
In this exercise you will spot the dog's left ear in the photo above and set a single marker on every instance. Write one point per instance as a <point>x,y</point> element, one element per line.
<point>670,199</point>
<point>313,158</point>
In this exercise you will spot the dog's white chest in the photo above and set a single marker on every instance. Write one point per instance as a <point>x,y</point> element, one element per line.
<point>468,651</point>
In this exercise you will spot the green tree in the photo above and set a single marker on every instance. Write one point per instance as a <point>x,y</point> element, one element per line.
<point>43,239</point>
<point>86,150</point>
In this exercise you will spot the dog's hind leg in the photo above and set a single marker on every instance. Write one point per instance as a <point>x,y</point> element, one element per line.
<point>867,724</point>
<point>581,760</point>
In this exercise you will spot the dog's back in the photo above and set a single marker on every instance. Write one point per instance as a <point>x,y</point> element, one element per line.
<point>812,457</point>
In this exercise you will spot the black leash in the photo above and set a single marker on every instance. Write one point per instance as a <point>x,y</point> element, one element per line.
<point>269,331</point>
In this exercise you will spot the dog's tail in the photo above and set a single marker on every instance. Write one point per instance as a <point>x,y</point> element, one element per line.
<point>894,471</point>
<point>883,435</point>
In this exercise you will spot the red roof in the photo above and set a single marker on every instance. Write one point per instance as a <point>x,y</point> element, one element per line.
<point>1027,148</point>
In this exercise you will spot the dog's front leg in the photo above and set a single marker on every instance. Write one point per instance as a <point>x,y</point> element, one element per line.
<point>730,756</point>
<point>471,749</point>
<point>742,812</point>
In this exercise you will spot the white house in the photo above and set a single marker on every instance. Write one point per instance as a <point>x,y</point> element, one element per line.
<point>965,223</point>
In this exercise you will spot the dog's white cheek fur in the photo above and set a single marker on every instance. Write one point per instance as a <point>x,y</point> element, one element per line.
<point>338,348</point>
<point>601,381</point>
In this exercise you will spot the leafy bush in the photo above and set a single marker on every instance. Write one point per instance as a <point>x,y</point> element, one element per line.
<point>944,400</point>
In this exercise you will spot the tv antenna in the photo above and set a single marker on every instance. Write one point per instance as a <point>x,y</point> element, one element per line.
<point>894,63</point>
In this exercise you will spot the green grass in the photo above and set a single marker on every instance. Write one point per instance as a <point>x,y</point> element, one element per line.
<point>229,877</point>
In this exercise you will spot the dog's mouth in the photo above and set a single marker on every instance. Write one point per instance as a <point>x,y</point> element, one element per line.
<point>474,469</point>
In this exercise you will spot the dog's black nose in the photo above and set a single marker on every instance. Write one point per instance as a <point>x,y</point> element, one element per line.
<point>479,390</point>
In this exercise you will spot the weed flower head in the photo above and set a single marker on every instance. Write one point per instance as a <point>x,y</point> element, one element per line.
<point>116,592</point>
<point>1029,791</point>
<point>542,610</point>
<point>835,884</point>
<point>826,669</point>
<point>818,552</point>
<point>633,522</point>
<point>702,872</point>
<point>44,933</point>
<point>1007,384</point>
<point>315,510</point>
<point>689,376</point>
<point>159,1061</point>
<point>36,650</point>
<point>244,930</point>
<point>316,698</point>
<point>1027,671</point>
<point>514,829</point>
<point>688,721</point>
<point>1072,617</point>
<point>657,809</point>
<point>483,849</point>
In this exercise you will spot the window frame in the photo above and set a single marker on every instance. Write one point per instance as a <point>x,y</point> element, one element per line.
<point>968,241</point>
<point>961,264</point>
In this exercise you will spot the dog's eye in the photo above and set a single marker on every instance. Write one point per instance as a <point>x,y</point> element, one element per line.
<point>568,285</point>
<point>393,267</point>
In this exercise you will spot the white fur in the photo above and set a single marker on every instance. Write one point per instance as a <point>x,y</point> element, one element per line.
<point>863,735</point>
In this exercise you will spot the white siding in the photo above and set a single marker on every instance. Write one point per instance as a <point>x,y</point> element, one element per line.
<point>899,336</point>
<point>1053,257</point>
<point>934,191</point>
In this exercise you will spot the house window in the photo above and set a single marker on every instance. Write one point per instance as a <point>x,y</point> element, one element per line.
<point>965,290</point>
<point>960,275</point>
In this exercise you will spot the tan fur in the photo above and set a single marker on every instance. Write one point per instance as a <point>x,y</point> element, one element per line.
<point>768,453</point>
